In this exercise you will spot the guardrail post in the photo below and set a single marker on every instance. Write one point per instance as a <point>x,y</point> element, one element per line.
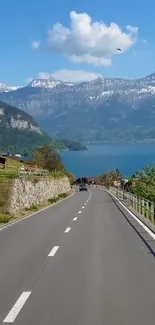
<point>136,203</point>
<point>152,212</point>
<point>133,202</point>
<point>143,207</point>
<point>147,209</point>
<point>139,205</point>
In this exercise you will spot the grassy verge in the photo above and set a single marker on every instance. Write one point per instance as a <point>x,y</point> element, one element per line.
<point>12,174</point>
<point>6,217</point>
<point>12,171</point>
<point>5,187</point>
<point>59,197</point>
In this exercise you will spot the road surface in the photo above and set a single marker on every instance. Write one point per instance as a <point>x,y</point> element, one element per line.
<point>84,261</point>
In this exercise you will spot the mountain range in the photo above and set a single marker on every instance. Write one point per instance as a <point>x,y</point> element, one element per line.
<point>105,110</point>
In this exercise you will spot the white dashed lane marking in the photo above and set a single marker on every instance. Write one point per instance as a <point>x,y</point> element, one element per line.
<point>67,229</point>
<point>53,251</point>
<point>10,318</point>
<point>75,219</point>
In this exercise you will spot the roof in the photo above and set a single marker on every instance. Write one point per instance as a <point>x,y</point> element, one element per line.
<point>86,179</point>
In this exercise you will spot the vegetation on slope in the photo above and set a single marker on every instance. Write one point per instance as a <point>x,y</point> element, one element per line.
<point>46,158</point>
<point>19,133</point>
<point>142,184</point>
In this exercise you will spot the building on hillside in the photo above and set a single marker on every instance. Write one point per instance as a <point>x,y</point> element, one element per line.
<point>29,166</point>
<point>30,163</point>
<point>3,162</point>
<point>86,180</point>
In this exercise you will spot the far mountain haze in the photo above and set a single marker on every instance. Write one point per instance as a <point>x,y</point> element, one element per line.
<point>105,110</point>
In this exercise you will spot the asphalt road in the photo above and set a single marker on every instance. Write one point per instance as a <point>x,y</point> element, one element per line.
<point>84,261</point>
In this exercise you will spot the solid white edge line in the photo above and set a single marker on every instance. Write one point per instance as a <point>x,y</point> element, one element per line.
<point>75,219</point>
<point>53,251</point>
<point>67,229</point>
<point>39,211</point>
<point>151,233</point>
<point>89,195</point>
<point>17,307</point>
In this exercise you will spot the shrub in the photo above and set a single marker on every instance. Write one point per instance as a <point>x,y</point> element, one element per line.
<point>5,218</point>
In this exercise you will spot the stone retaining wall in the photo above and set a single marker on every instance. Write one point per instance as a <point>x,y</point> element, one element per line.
<point>26,193</point>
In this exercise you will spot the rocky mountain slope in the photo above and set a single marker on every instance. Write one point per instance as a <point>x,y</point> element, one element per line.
<point>108,109</point>
<point>18,130</point>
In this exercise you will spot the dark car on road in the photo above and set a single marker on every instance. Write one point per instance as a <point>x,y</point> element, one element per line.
<point>83,187</point>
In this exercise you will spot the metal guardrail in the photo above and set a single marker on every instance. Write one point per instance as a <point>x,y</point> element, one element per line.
<point>37,172</point>
<point>16,172</point>
<point>143,206</point>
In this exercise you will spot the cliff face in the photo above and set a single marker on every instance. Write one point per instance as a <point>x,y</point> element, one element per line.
<point>25,193</point>
<point>18,128</point>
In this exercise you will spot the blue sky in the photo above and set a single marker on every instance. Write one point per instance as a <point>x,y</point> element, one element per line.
<point>23,22</point>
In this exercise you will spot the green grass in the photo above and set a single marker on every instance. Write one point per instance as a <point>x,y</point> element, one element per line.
<point>32,207</point>
<point>5,218</point>
<point>7,175</point>
<point>5,188</point>
<point>53,200</point>
<point>11,170</point>
<point>63,195</point>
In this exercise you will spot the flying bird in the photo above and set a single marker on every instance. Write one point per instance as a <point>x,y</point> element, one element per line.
<point>119,49</point>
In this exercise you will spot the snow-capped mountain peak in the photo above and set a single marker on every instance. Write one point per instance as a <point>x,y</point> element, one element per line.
<point>5,88</point>
<point>105,108</point>
<point>48,83</point>
<point>44,83</point>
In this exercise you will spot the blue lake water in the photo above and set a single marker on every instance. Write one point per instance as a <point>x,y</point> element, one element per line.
<point>127,158</point>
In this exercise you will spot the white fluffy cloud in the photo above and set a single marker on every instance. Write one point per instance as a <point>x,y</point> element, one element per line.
<point>35,44</point>
<point>90,42</point>
<point>70,75</point>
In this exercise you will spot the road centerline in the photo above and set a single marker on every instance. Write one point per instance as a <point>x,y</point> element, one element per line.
<point>10,318</point>
<point>67,229</point>
<point>53,251</point>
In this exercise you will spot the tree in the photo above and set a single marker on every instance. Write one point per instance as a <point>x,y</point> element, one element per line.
<point>143,185</point>
<point>47,158</point>
<point>108,177</point>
